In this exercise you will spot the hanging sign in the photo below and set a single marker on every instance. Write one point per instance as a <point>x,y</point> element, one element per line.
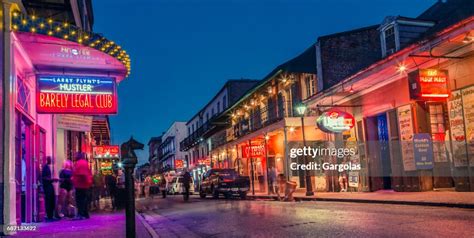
<point>253,151</point>
<point>106,151</point>
<point>428,84</point>
<point>423,151</point>
<point>335,121</point>
<point>68,94</point>
<point>74,122</point>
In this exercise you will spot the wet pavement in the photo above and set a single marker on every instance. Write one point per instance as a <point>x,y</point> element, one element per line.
<point>171,217</point>
<point>101,224</point>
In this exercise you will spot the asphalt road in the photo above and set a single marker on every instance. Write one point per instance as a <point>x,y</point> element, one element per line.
<point>171,217</point>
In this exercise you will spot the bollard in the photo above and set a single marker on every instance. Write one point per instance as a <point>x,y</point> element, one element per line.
<point>129,160</point>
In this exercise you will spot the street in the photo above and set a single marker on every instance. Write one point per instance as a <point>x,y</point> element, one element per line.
<point>171,217</point>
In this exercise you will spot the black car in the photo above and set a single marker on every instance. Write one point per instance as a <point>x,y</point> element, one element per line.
<point>224,181</point>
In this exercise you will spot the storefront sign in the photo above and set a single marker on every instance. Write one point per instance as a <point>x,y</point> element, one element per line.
<point>74,122</point>
<point>354,179</point>
<point>405,123</point>
<point>253,151</point>
<point>106,151</point>
<point>106,167</point>
<point>205,161</point>
<point>178,164</point>
<point>76,94</point>
<point>457,130</point>
<point>423,151</point>
<point>428,84</point>
<point>468,109</point>
<point>335,121</point>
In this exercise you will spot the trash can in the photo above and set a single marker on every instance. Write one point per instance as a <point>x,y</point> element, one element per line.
<point>289,190</point>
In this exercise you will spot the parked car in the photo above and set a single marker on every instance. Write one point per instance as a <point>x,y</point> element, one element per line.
<point>177,187</point>
<point>224,181</point>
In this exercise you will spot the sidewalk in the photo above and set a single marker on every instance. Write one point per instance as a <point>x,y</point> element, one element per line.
<point>103,224</point>
<point>432,198</point>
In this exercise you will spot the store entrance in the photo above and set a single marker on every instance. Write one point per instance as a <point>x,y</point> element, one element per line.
<point>379,152</point>
<point>25,172</point>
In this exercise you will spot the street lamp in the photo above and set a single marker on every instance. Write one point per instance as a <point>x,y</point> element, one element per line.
<point>301,109</point>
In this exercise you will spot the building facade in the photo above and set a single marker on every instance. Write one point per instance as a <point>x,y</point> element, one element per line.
<point>204,131</point>
<point>42,115</point>
<point>172,158</point>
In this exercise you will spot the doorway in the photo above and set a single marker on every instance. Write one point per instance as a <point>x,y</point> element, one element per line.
<point>378,139</point>
<point>24,168</point>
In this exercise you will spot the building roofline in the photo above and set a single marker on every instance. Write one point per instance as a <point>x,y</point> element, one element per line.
<point>227,83</point>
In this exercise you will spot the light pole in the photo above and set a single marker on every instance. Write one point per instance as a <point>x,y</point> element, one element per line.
<point>301,109</point>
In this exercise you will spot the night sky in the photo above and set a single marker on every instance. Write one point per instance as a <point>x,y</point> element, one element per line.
<point>182,52</point>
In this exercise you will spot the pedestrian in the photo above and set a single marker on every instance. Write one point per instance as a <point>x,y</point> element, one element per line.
<point>111,185</point>
<point>272,177</point>
<point>65,189</point>
<point>146,186</point>
<point>343,181</point>
<point>82,180</point>
<point>186,184</point>
<point>49,195</point>
<point>121,195</point>
<point>97,187</point>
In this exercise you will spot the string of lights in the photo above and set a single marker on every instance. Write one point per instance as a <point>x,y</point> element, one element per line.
<point>33,24</point>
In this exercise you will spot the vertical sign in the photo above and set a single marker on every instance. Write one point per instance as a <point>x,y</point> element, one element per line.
<point>458,135</point>
<point>468,106</point>
<point>405,123</point>
<point>423,151</point>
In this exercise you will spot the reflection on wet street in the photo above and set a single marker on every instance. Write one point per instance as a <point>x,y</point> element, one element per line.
<point>171,217</point>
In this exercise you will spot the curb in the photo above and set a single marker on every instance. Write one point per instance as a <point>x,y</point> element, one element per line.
<point>147,226</point>
<point>411,203</point>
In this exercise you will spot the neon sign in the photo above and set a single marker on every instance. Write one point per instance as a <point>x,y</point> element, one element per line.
<point>106,151</point>
<point>76,94</point>
<point>334,121</point>
<point>253,151</point>
<point>179,164</point>
<point>428,84</point>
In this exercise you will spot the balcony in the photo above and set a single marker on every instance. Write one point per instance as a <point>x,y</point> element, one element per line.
<point>261,117</point>
<point>200,134</point>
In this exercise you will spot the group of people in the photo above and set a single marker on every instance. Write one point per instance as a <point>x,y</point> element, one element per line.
<point>75,179</point>
<point>79,190</point>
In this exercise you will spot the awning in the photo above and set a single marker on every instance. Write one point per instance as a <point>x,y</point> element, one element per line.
<point>55,46</point>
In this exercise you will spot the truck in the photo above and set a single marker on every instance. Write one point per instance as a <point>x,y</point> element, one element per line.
<point>224,181</point>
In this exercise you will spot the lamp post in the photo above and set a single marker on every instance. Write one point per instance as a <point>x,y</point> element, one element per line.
<point>301,109</point>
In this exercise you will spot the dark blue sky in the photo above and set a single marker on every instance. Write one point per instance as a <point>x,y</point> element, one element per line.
<point>183,51</point>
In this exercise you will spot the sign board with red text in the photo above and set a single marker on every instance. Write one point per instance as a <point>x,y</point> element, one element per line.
<point>253,151</point>
<point>66,94</point>
<point>428,84</point>
<point>106,151</point>
<point>335,121</point>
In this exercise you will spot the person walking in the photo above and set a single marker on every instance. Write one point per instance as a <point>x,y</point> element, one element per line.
<point>187,184</point>
<point>272,177</point>
<point>147,184</point>
<point>49,196</point>
<point>111,184</point>
<point>65,189</point>
<point>82,181</point>
<point>97,187</point>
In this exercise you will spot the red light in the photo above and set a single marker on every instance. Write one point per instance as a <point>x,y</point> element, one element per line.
<point>435,95</point>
